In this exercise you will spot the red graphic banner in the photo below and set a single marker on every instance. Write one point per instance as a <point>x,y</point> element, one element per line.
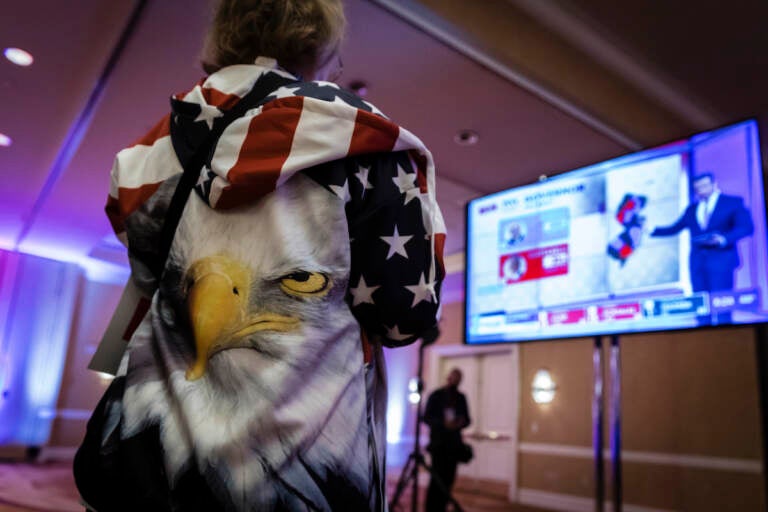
<point>568,316</point>
<point>534,264</point>
<point>626,311</point>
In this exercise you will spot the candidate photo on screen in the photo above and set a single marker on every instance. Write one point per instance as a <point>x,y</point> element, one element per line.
<point>512,233</point>
<point>513,268</point>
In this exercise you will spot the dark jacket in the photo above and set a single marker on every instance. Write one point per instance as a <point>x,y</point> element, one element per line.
<point>441,438</point>
<point>730,219</point>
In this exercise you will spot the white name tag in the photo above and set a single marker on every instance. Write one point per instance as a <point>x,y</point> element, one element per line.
<point>131,310</point>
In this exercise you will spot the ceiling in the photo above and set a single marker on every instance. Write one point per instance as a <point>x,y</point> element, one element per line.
<point>548,86</point>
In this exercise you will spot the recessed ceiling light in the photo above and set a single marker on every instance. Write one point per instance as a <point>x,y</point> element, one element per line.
<point>466,138</point>
<point>5,140</point>
<point>19,56</point>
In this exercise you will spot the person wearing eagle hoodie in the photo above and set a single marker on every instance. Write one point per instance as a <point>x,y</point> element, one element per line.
<point>255,379</point>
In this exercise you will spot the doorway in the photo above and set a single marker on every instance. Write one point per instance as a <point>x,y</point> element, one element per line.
<point>491,385</point>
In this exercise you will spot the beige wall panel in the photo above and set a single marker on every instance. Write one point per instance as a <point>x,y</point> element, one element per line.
<point>692,489</point>
<point>692,392</point>
<point>649,485</point>
<point>81,388</point>
<point>565,475</point>
<point>568,418</point>
<point>452,324</point>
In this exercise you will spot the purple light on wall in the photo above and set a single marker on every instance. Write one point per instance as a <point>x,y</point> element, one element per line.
<point>8,262</point>
<point>39,300</point>
<point>401,366</point>
<point>452,289</point>
<point>6,376</point>
<point>95,269</point>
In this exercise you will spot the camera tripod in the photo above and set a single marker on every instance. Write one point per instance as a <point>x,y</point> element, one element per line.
<point>410,473</point>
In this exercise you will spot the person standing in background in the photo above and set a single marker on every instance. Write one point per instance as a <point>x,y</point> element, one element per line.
<point>446,414</point>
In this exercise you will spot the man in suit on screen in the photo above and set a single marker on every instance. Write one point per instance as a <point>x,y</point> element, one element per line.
<point>716,222</point>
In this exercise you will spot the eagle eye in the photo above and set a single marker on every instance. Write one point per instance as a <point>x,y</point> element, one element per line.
<point>305,284</point>
<point>300,276</point>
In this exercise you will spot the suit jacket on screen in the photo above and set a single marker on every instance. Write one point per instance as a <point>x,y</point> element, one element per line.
<point>730,219</point>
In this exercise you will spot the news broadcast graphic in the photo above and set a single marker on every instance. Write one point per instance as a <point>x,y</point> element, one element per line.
<point>672,237</point>
<point>624,245</point>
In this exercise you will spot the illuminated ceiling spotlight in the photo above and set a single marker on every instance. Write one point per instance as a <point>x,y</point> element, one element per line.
<point>18,56</point>
<point>5,140</point>
<point>543,387</point>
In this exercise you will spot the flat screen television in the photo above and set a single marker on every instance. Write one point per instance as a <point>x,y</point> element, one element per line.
<point>672,237</point>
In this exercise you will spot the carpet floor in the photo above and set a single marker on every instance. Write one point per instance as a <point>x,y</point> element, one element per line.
<point>51,488</point>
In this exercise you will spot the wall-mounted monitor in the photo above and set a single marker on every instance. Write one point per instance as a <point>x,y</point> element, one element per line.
<point>672,237</point>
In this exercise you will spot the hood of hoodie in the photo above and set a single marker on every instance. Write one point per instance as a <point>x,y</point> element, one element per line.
<point>295,126</point>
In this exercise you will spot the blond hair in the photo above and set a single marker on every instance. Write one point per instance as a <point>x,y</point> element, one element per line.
<point>297,33</point>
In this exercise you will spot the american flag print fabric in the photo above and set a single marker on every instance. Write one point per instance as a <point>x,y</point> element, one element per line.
<point>298,127</point>
<point>319,215</point>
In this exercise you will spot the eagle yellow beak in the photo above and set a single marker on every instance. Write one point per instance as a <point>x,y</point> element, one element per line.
<point>217,302</point>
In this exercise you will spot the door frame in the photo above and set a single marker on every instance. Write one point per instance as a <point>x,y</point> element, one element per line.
<point>436,353</point>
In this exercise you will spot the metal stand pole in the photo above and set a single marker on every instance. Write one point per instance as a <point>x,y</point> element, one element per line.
<point>616,421</point>
<point>761,353</point>
<point>597,423</point>
<point>417,434</point>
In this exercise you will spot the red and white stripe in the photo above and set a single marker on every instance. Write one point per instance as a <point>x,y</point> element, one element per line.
<point>267,146</point>
<point>261,151</point>
<point>138,171</point>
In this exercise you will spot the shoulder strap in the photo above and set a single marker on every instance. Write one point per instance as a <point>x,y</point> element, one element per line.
<point>263,87</point>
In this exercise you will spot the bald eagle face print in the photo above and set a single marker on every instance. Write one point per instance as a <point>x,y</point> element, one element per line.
<point>251,351</point>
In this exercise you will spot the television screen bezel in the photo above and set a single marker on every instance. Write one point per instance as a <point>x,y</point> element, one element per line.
<point>581,335</point>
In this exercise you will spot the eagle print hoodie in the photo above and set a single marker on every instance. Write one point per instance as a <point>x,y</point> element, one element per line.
<point>253,378</point>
